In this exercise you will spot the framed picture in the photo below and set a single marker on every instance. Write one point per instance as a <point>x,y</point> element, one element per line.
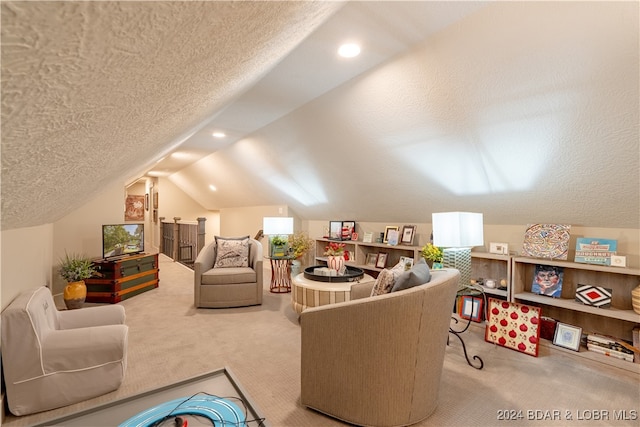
<point>368,237</point>
<point>471,308</point>
<point>382,260</point>
<point>146,202</point>
<point>392,237</point>
<point>567,336</point>
<point>372,259</point>
<point>155,200</point>
<point>341,230</point>
<point>386,232</point>
<point>408,232</point>
<point>513,325</point>
<point>547,280</point>
<point>407,262</point>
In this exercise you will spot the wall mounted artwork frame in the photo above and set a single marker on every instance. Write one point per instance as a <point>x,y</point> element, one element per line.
<point>134,208</point>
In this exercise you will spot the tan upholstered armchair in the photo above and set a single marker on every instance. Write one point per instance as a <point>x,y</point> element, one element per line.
<point>377,361</point>
<point>228,286</point>
<point>55,358</point>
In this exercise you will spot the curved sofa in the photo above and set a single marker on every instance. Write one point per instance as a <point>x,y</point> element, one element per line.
<point>377,361</point>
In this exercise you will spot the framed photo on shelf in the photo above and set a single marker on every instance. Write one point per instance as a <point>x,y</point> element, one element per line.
<point>392,237</point>
<point>341,230</point>
<point>567,336</point>
<point>381,262</point>
<point>371,260</point>
<point>368,237</point>
<point>386,232</point>
<point>407,262</point>
<point>408,233</point>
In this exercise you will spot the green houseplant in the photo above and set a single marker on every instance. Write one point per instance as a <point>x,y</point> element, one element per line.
<point>75,269</point>
<point>278,246</point>
<point>299,245</point>
<point>433,254</point>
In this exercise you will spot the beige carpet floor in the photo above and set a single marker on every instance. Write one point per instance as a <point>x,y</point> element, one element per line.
<point>170,340</point>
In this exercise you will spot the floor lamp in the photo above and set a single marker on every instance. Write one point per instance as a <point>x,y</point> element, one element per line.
<point>457,233</point>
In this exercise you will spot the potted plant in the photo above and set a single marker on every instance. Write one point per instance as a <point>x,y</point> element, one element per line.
<point>299,245</point>
<point>433,254</point>
<point>279,246</point>
<point>74,269</point>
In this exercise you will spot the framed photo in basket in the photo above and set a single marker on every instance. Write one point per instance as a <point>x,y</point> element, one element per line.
<point>568,336</point>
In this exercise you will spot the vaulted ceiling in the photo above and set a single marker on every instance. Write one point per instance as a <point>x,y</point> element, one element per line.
<point>526,111</point>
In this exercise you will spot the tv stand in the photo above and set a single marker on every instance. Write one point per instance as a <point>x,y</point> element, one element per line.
<point>122,277</point>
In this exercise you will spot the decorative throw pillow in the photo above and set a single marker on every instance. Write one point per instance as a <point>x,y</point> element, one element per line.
<point>384,283</point>
<point>418,275</point>
<point>232,252</point>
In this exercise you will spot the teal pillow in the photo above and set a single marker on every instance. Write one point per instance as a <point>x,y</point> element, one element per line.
<point>418,275</point>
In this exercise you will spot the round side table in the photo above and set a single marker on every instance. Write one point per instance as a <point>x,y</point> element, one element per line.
<point>280,275</point>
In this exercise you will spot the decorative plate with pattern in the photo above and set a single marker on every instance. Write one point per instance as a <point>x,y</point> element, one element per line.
<point>546,241</point>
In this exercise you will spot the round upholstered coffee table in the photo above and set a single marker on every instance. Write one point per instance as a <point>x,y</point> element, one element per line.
<point>312,293</point>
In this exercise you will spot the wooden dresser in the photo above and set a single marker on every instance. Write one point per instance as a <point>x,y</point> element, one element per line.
<point>122,278</point>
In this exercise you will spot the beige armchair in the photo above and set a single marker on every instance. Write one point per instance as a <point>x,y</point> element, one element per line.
<point>228,286</point>
<point>377,361</point>
<point>55,358</point>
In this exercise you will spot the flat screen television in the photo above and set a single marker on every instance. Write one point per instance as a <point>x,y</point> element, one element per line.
<point>122,239</point>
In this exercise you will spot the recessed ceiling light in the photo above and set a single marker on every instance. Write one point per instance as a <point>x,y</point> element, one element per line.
<point>218,134</point>
<point>349,50</point>
<point>212,187</point>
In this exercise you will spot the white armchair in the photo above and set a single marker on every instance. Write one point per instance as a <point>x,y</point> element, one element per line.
<point>56,358</point>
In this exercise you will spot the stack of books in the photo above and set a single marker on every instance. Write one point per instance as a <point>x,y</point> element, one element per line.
<point>609,347</point>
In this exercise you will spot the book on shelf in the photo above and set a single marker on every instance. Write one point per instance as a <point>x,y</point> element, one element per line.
<point>616,346</point>
<point>611,353</point>
<point>636,343</point>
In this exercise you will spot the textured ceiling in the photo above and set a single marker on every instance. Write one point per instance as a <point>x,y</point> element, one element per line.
<point>525,111</point>
<point>92,91</point>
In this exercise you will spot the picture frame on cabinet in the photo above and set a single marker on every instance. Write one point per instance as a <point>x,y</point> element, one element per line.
<point>386,232</point>
<point>371,260</point>
<point>567,336</point>
<point>368,237</point>
<point>381,262</point>
<point>341,230</point>
<point>408,233</point>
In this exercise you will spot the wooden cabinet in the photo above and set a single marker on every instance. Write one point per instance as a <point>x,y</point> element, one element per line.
<point>617,321</point>
<point>123,278</point>
<point>495,267</point>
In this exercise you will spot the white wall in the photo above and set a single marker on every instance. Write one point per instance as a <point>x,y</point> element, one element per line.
<point>173,202</point>
<point>26,260</point>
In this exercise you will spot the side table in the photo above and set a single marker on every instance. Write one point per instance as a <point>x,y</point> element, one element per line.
<point>280,275</point>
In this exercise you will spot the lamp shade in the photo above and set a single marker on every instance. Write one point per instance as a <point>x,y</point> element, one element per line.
<point>457,229</point>
<point>277,225</point>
